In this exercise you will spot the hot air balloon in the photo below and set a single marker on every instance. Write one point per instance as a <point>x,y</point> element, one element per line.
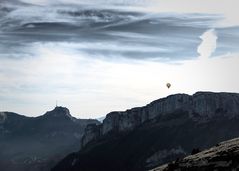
<point>168,85</point>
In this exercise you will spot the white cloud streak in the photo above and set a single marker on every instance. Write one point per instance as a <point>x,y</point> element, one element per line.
<point>227,8</point>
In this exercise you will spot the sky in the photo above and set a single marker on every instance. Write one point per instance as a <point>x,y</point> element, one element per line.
<point>95,57</point>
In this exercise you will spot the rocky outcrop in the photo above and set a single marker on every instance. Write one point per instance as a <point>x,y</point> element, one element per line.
<point>223,156</point>
<point>200,107</point>
<point>59,111</point>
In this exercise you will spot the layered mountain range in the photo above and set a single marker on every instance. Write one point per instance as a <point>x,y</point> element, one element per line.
<point>145,137</point>
<point>37,143</point>
<point>141,138</point>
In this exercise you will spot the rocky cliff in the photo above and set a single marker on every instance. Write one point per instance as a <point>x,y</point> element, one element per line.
<point>200,107</point>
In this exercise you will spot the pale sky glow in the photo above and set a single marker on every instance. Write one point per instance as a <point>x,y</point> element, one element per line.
<point>93,78</point>
<point>85,86</point>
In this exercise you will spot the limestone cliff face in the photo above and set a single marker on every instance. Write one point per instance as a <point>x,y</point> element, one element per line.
<point>201,106</point>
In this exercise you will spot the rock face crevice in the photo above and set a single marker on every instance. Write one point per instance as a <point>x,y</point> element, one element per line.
<point>201,106</point>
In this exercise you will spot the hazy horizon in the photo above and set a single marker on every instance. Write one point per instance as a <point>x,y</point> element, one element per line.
<point>101,56</point>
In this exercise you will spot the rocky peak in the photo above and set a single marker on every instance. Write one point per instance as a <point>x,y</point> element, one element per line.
<point>59,111</point>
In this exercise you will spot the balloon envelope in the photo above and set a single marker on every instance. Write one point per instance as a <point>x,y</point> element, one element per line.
<point>168,85</point>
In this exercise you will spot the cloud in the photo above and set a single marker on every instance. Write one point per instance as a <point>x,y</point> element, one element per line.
<point>208,44</point>
<point>227,8</point>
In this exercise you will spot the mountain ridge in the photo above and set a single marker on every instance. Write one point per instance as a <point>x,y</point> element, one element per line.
<point>36,143</point>
<point>145,137</point>
<point>131,118</point>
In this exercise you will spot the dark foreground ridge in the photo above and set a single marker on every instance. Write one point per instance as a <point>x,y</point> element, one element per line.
<point>146,137</point>
<point>37,143</point>
<point>223,156</point>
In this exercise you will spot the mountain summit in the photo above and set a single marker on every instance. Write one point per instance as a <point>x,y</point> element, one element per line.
<point>59,111</point>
